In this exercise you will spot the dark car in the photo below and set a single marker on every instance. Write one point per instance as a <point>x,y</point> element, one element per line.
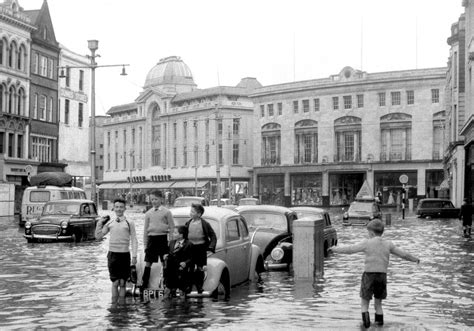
<point>271,226</point>
<point>73,220</point>
<point>362,212</point>
<point>435,207</point>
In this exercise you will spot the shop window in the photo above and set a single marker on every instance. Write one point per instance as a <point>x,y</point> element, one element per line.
<point>306,189</point>
<point>396,138</point>
<point>389,189</point>
<point>343,188</point>
<point>271,144</point>
<point>306,142</point>
<point>348,139</point>
<point>271,189</point>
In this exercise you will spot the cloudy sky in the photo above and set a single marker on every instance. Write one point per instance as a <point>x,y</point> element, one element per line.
<point>275,41</point>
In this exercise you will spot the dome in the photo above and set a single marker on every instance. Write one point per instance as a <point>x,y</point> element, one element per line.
<point>170,70</point>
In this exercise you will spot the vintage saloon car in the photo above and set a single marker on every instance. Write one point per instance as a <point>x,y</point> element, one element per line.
<point>271,227</point>
<point>235,261</point>
<point>73,220</point>
<point>361,212</point>
<point>436,207</point>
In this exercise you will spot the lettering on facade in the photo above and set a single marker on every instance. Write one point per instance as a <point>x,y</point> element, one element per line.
<point>74,95</point>
<point>17,170</point>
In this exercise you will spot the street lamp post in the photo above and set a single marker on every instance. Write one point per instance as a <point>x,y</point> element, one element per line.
<point>93,45</point>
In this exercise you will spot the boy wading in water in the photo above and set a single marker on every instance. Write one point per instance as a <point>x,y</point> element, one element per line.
<point>374,279</point>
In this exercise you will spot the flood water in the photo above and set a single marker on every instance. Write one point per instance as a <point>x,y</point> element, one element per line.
<point>66,285</point>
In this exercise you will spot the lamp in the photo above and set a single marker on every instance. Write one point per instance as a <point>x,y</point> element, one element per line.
<point>124,73</point>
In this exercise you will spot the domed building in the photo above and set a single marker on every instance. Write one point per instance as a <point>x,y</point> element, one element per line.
<point>166,138</point>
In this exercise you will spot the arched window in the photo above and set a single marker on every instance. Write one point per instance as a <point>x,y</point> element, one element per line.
<point>395,129</point>
<point>20,103</point>
<point>2,92</point>
<point>11,55</point>
<point>271,144</point>
<point>156,111</point>
<point>2,45</point>
<point>347,131</point>
<point>306,142</point>
<point>11,100</point>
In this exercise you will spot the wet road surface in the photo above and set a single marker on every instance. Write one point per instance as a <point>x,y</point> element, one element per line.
<point>66,285</point>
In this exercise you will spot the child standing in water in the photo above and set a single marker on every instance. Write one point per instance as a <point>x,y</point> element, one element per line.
<point>374,279</point>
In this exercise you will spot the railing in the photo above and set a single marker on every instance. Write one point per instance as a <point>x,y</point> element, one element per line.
<point>303,160</point>
<point>346,158</point>
<point>270,161</point>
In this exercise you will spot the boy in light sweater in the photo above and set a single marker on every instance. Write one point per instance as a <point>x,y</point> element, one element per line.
<point>122,233</point>
<point>374,279</point>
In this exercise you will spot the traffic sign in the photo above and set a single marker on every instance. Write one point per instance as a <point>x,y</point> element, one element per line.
<point>403,179</point>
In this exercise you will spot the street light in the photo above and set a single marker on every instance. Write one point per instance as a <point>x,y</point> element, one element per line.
<point>93,45</point>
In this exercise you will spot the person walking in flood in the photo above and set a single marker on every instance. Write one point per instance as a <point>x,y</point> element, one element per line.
<point>158,224</point>
<point>122,235</point>
<point>203,238</point>
<point>465,215</point>
<point>374,279</point>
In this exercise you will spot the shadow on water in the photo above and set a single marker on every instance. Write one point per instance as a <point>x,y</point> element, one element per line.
<point>66,285</point>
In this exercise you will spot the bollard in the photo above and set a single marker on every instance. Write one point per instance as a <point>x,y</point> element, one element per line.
<point>388,219</point>
<point>308,248</point>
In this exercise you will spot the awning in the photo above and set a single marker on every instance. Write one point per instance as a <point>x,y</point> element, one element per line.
<point>152,185</point>
<point>189,184</point>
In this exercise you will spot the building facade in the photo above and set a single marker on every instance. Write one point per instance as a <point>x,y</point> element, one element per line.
<point>179,139</point>
<point>317,141</point>
<point>15,54</point>
<point>73,105</point>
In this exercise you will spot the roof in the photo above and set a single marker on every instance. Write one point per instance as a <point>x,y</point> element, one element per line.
<point>212,91</point>
<point>265,208</point>
<point>121,108</point>
<point>32,14</point>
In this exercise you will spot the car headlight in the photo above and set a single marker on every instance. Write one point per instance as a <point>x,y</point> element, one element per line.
<point>277,254</point>
<point>345,216</point>
<point>64,224</point>
<point>27,225</point>
<point>372,217</point>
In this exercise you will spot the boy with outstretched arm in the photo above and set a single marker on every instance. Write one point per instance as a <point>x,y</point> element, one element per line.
<point>122,234</point>
<point>374,279</point>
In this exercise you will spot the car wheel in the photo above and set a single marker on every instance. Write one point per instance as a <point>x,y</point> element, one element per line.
<point>29,241</point>
<point>77,236</point>
<point>223,288</point>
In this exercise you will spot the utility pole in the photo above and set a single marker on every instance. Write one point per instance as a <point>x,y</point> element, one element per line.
<point>218,166</point>
<point>229,135</point>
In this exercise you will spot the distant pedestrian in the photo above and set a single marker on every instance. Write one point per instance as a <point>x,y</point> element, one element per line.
<point>204,239</point>
<point>374,279</point>
<point>158,224</point>
<point>466,216</point>
<point>122,234</point>
<point>178,262</point>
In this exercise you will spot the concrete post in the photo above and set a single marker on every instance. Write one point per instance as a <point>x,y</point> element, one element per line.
<point>308,248</point>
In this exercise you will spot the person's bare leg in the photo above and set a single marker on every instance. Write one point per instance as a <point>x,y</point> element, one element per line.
<point>378,311</point>
<point>115,291</point>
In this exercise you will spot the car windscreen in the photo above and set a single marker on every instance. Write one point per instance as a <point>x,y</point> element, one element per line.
<point>302,214</point>
<point>266,219</point>
<point>183,202</point>
<point>181,220</point>
<point>61,209</point>
<point>39,196</point>
<point>431,204</point>
<point>358,207</point>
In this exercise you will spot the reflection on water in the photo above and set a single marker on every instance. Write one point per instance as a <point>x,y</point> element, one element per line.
<point>66,285</point>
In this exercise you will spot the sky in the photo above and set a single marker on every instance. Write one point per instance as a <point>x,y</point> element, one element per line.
<point>274,41</point>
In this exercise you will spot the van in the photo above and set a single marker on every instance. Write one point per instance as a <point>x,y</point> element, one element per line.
<point>34,198</point>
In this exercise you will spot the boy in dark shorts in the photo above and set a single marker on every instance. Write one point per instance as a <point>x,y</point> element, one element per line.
<point>374,279</point>
<point>122,233</point>
<point>158,224</point>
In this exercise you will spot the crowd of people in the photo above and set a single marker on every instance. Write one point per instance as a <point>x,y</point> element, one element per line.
<point>181,250</point>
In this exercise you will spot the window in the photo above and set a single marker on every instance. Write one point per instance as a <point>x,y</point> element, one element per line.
<point>410,97</point>
<point>80,115</point>
<point>395,137</point>
<point>185,156</point>
<point>316,104</point>
<point>306,141</point>
<point>19,58</point>
<point>435,95</point>
<point>66,114</point>
<point>396,98</point>
<point>280,108</point>
<point>219,127</point>
<point>19,146</point>
<point>271,144</point>
<point>50,68</point>
<point>347,101</point>
<point>42,148</point>
<point>68,76</point>
<point>335,103</point>
<point>236,126</point>
<point>295,107</point>
<point>42,108</point>
<point>108,140</point>
<point>235,154</point>
<point>2,142</point>
<point>175,156</point>
<point>262,110</point>
<point>270,109</point>
<point>207,130</point>
<point>348,139</point>
<point>382,99</point>
<point>175,129</point>
<point>11,140</point>
<point>232,231</point>
<point>305,106</point>
<point>360,101</point>
<point>185,130</point>
<point>44,66</point>
<point>207,154</point>
<point>81,80</point>
<point>1,52</point>
<point>10,55</point>
<point>35,64</point>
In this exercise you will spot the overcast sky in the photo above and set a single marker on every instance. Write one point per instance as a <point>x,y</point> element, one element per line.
<point>275,41</point>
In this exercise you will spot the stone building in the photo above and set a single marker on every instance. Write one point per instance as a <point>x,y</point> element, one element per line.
<point>317,141</point>
<point>174,134</point>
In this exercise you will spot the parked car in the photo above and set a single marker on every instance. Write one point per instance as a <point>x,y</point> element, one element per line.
<point>248,201</point>
<point>436,207</point>
<point>361,212</point>
<point>188,201</point>
<point>235,259</point>
<point>330,233</point>
<point>73,220</point>
<point>224,202</point>
<point>271,227</point>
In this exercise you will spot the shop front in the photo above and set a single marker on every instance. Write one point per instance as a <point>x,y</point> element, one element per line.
<point>343,187</point>
<point>434,189</point>
<point>306,189</point>
<point>389,187</point>
<point>271,189</point>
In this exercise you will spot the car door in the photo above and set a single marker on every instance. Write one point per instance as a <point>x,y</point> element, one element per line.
<point>448,210</point>
<point>236,251</point>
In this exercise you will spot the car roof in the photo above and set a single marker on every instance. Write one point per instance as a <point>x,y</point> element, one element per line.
<point>214,211</point>
<point>71,201</point>
<point>273,208</point>
<point>434,199</point>
<point>190,198</point>
<point>308,209</point>
<point>252,199</point>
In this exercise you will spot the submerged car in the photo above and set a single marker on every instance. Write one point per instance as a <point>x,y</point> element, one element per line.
<point>330,233</point>
<point>235,261</point>
<point>189,200</point>
<point>63,220</point>
<point>436,207</point>
<point>361,212</point>
<point>271,227</point>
